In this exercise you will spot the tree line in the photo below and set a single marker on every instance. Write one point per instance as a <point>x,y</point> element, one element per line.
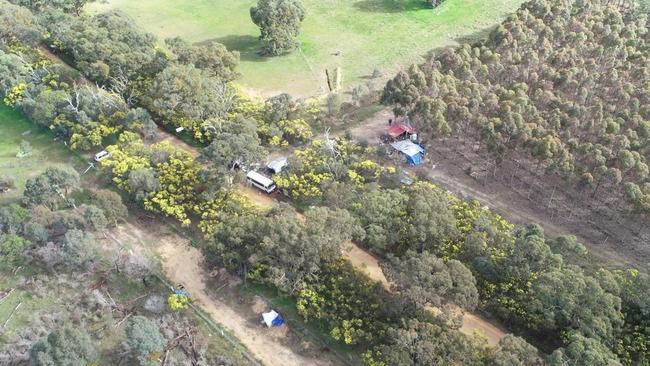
<point>559,86</point>
<point>440,251</point>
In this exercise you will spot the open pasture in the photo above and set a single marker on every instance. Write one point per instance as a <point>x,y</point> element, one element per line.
<point>44,153</point>
<point>357,35</point>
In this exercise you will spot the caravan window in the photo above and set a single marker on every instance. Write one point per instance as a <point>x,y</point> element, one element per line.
<point>260,182</point>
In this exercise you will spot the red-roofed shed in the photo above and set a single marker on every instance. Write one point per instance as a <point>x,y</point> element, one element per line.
<point>399,129</point>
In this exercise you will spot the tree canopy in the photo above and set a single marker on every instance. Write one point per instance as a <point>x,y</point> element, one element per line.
<point>279,22</point>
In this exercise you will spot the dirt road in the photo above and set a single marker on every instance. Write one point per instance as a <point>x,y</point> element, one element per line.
<point>368,264</point>
<point>182,263</point>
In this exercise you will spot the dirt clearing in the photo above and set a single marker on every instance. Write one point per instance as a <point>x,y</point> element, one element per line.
<point>372,129</point>
<point>260,199</point>
<point>365,263</point>
<point>473,323</point>
<point>183,264</point>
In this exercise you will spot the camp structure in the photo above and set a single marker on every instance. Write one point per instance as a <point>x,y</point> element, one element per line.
<point>412,151</point>
<point>272,319</point>
<point>399,131</point>
<point>275,166</point>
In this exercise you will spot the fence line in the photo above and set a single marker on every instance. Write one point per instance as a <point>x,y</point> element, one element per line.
<point>217,327</point>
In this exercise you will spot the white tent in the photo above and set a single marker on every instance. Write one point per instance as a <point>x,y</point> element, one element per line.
<point>269,318</point>
<point>277,165</point>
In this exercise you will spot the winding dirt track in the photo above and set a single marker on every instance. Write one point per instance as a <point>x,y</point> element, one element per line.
<point>366,263</point>
<point>184,264</point>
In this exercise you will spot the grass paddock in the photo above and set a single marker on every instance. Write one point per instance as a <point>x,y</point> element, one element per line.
<point>356,35</point>
<point>13,129</point>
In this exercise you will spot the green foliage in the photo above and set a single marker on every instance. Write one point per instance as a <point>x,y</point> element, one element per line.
<point>185,96</point>
<point>225,206</point>
<point>143,183</point>
<point>234,144</point>
<point>515,351</point>
<point>78,248</point>
<point>583,351</point>
<point>174,175</point>
<point>64,347</point>
<point>95,217</point>
<point>50,187</point>
<point>177,302</point>
<point>210,55</point>
<point>25,149</point>
<point>324,161</point>
<point>286,260</point>
<point>18,24</point>
<point>111,205</point>
<point>105,46</point>
<point>12,218</point>
<point>426,280</point>
<point>348,302</point>
<point>68,6</point>
<point>144,338</point>
<point>11,248</point>
<point>528,91</point>
<point>178,176</point>
<point>7,182</point>
<point>421,343</point>
<point>279,22</point>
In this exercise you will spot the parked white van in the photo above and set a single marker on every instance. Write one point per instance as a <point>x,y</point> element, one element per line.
<point>102,155</point>
<point>260,182</point>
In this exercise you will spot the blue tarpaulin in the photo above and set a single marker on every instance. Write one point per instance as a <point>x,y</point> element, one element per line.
<point>411,150</point>
<point>278,321</point>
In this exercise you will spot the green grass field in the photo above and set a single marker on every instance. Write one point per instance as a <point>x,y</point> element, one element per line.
<point>383,34</point>
<point>45,153</point>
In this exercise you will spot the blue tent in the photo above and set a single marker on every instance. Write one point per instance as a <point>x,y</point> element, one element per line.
<point>412,151</point>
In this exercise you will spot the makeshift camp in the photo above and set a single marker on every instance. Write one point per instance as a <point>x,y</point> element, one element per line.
<point>399,131</point>
<point>276,166</point>
<point>272,319</point>
<point>411,150</point>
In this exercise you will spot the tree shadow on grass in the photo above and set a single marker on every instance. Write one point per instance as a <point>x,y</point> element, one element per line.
<point>391,6</point>
<point>477,36</point>
<point>247,46</point>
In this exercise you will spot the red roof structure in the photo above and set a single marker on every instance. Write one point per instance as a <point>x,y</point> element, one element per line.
<point>398,129</point>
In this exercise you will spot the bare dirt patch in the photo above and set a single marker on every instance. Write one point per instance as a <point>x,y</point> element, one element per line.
<point>365,263</point>
<point>176,141</point>
<point>372,129</point>
<point>260,199</point>
<point>474,323</point>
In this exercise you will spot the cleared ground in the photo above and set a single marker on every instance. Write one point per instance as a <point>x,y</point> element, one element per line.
<point>13,129</point>
<point>358,35</point>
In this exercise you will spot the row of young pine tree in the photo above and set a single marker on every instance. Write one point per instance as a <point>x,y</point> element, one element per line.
<point>561,85</point>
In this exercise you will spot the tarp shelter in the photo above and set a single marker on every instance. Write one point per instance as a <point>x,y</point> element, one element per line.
<point>399,129</point>
<point>411,150</point>
<point>277,165</point>
<point>272,319</point>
